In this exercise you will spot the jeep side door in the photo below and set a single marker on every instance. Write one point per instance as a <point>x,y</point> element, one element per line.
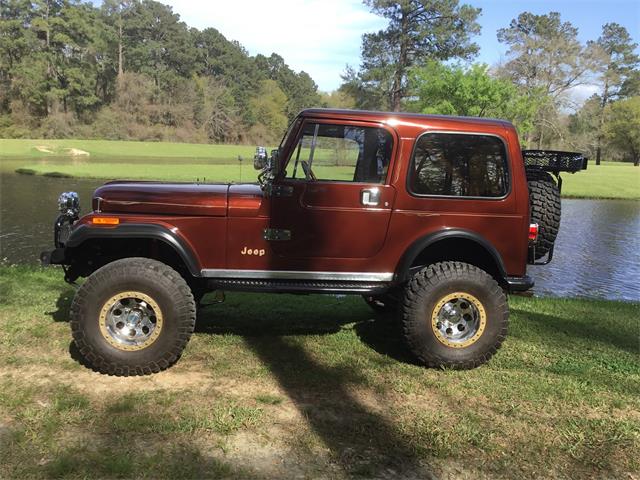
<point>331,205</point>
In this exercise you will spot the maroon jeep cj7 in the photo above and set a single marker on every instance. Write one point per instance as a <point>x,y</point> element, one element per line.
<point>431,217</point>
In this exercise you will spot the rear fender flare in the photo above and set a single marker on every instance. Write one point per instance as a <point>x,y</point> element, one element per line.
<point>418,246</point>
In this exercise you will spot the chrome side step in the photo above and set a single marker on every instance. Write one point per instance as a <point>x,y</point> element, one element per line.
<point>298,275</point>
<point>298,286</point>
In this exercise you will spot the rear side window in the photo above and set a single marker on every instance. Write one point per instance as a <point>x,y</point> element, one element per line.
<point>459,165</point>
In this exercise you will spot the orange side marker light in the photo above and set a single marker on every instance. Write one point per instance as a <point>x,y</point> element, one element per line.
<point>105,220</point>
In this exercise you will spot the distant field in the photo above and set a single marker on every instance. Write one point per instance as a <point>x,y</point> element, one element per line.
<point>111,148</point>
<point>188,162</point>
<point>608,180</point>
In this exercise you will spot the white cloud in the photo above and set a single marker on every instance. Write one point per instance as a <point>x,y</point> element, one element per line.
<point>318,36</point>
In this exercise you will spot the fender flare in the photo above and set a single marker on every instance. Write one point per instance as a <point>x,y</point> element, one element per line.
<point>138,230</point>
<point>418,246</point>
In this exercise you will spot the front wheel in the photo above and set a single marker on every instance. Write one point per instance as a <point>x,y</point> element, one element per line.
<point>133,316</point>
<point>454,315</point>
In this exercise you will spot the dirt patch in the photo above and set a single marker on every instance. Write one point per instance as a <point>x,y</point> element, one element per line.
<point>95,383</point>
<point>76,152</point>
<point>43,149</point>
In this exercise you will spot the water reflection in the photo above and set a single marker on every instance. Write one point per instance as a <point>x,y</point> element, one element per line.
<point>597,253</point>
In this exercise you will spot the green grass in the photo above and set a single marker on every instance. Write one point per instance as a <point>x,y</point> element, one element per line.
<point>115,148</point>
<point>609,180</point>
<point>281,386</point>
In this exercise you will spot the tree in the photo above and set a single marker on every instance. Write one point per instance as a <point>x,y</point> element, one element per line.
<point>268,106</point>
<point>418,30</point>
<point>300,89</point>
<point>158,43</point>
<point>582,124</point>
<point>616,64</point>
<point>16,41</point>
<point>544,56</point>
<point>337,99</point>
<point>453,90</point>
<point>622,127</point>
<point>114,13</point>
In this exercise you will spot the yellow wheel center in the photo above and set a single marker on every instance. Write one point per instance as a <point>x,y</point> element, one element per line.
<point>130,321</point>
<point>458,320</point>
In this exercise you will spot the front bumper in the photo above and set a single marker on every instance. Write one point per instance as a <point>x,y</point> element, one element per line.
<point>519,284</point>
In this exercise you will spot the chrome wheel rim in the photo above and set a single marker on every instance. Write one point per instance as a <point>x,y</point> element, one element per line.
<point>130,321</point>
<point>458,319</point>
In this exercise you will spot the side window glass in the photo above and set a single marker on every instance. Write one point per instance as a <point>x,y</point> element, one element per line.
<point>453,164</point>
<point>341,153</point>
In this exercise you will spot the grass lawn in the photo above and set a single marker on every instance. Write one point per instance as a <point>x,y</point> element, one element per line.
<point>42,148</point>
<point>282,386</point>
<point>607,180</point>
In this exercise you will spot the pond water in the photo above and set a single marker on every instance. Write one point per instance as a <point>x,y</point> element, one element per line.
<point>597,253</point>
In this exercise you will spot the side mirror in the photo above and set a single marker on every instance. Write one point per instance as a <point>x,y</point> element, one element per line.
<point>260,159</point>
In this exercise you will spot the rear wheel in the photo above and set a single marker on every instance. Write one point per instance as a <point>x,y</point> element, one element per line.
<point>545,209</point>
<point>454,315</point>
<point>132,317</point>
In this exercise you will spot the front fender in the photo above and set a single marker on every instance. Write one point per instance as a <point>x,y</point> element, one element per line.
<point>136,230</point>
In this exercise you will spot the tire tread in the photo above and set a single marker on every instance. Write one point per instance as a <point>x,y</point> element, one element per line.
<point>430,277</point>
<point>181,297</point>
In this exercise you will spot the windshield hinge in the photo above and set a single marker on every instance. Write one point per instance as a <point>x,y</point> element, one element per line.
<point>280,190</point>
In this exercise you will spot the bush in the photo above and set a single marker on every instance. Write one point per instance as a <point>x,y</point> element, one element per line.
<point>58,125</point>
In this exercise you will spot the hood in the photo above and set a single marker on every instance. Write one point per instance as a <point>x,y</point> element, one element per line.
<point>162,198</point>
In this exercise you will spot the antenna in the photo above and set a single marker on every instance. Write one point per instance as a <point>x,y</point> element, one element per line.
<point>240,160</point>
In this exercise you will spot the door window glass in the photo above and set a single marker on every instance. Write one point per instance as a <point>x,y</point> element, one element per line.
<point>460,165</point>
<point>341,153</point>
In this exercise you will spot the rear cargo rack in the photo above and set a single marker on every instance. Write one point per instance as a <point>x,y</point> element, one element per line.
<point>554,161</point>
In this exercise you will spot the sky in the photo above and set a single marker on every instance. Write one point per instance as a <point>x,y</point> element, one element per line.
<point>322,37</point>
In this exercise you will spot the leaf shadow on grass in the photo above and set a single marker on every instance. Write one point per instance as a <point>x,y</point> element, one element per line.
<point>360,440</point>
<point>625,338</point>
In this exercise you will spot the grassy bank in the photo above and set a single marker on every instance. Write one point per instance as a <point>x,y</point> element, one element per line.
<point>43,148</point>
<point>274,386</point>
<point>607,180</point>
<point>219,163</point>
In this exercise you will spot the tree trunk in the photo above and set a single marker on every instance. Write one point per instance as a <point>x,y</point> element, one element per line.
<point>603,104</point>
<point>397,93</point>
<point>49,69</point>
<point>120,57</point>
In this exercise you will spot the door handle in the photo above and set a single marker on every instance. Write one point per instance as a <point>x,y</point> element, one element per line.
<point>370,197</point>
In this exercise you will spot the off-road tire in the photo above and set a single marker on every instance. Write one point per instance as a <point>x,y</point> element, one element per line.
<point>154,279</point>
<point>385,303</point>
<point>545,209</point>
<point>423,293</point>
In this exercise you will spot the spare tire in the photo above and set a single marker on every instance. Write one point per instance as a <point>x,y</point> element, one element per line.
<point>544,201</point>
